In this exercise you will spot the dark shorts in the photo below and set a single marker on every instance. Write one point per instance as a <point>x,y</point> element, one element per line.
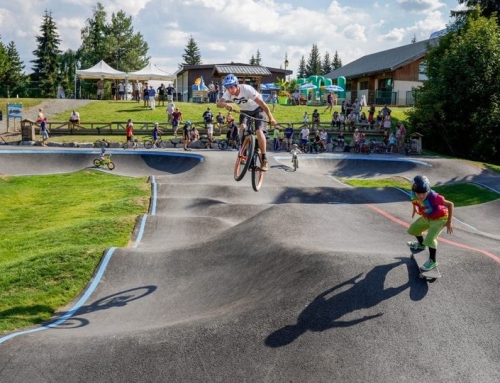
<point>257,113</point>
<point>175,123</point>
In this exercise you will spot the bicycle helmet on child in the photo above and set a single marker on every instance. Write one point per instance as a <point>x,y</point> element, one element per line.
<point>421,184</point>
<point>230,80</point>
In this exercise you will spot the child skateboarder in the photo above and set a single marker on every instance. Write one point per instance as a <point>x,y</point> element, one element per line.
<point>435,213</point>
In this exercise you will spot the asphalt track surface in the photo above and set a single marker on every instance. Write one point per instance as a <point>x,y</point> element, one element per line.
<point>308,280</point>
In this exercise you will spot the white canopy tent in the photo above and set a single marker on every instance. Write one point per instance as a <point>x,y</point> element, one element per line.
<point>101,70</point>
<point>150,72</point>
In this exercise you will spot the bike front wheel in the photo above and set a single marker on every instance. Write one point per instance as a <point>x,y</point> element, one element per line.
<point>148,144</point>
<point>111,165</point>
<point>244,156</point>
<point>162,144</point>
<point>257,173</point>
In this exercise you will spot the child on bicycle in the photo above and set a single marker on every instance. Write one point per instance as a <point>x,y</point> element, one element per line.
<point>103,155</point>
<point>435,213</point>
<point>251,104</point>
<point>295,151</point>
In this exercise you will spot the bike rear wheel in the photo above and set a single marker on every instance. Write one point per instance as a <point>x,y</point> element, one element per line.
<point>257,173</point>
<point>97,162</point>
<point>111,165</point>
<point>223,144</point>
<point>244,157</point>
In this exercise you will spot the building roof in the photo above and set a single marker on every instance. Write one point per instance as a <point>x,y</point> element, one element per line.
<point>240,70</point>
<point>385,61</point>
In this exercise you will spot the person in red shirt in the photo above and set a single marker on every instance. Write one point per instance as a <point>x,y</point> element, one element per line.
<point>129,131</point>
<point>176,119</point>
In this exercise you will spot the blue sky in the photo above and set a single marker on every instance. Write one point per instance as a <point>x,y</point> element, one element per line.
<point>233,30</point>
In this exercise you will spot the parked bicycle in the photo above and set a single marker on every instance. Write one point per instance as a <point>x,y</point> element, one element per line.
<point>100,163</point>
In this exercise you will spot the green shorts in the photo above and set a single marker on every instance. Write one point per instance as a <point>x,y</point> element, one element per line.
<point>434,228</point>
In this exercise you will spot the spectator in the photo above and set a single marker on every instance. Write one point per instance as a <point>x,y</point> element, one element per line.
<point>121,90</point>
<point>113,90</point>
<point>145,95</point>
<point>156,133</point>
<point>387,121</point>
<point>289,137</point>
<point>233,129</point>
<point>281,137</point>
<point>129,131</point>
<point>100,89</point>
<point>323,135</point>
<point>170,93</point>
<point>356,137</point>
<point>336,120</point>
<point>380,120</point>
<point>371,115</point>
<point>176,120</point>
<point>136,88</point>
<point>356,108</point>
<point>44,131</point>
<point>392,143</point>
<point>161,95</point>
<point>402,136</point>
<point>304,137</point>
<point>272,99</point>
<point>229,118</point>
<point>315,119</point>
<point>186,134</point>
<point>329,102</point>
<point>60,92</point>
<point>363,119</point>
<point>351,120</point>
<point>40,116</point>
<point>170,110</point>
<point>385,111</point>
<point>276,138</point>
<point>296,97</point>
<point>194,134</point>
<point>305,119</point>
<point>152,98</point>
<point>74,119</point>
<point>341,139</point>
<point>208,118</point>
<point>220,119</point>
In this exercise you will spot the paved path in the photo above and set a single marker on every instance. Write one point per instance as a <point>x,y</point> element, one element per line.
<point>308,280</point>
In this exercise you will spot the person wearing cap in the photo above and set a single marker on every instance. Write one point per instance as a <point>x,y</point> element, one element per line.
<point>435,213</point>
<point>152,96</point>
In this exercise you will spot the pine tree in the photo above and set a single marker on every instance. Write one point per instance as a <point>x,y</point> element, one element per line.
<point>46,63</point>
<point>94,36</point>
<point>327,64</point>
<point>128,49</point>
<point>414,39</point>
<point>12,77</point>
<point>252,60</point>
<point>301,72</point>
<point>192,55</point>
<point>336,62</point>
<point>258,58</point>
<point>313,66</point>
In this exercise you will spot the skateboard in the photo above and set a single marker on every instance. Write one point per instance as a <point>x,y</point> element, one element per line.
<point>420,258</point>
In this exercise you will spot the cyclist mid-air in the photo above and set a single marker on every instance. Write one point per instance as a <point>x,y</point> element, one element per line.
<point>251,104</point>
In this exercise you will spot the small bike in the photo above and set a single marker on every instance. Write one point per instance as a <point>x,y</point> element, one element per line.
<point>149,143</point>
<point>249,156</point>
<point>132,144</point>
<point>100,163</point>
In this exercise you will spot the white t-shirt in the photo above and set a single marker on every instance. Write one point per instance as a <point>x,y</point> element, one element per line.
<point>304,133</point>
<point>245,100</point>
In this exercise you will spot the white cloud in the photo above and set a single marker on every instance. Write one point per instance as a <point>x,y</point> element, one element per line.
<point>233,30</point>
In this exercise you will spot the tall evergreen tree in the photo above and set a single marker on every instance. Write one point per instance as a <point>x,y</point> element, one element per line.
<point>301,72</point>
<point>258,58</point>
<point>11,74</point>
<point>414,39</point>
<point>336,62</point>
<point>46,63</point>
<point>127,49</point>
<point>252,61</point>
<point>94,36</point>
<point>327,66</point>
<point>192,55</point>
<point>313,66</point>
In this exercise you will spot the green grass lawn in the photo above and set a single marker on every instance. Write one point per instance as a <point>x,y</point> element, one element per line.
<point>55,229</point>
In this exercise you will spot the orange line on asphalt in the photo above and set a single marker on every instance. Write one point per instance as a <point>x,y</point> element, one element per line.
<point>453,243</point>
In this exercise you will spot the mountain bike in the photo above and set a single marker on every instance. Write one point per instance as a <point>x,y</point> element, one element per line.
<point>99,163</point>
<point>249,155</point>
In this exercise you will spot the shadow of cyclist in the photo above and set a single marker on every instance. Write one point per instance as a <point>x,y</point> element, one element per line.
<point>323,313</point>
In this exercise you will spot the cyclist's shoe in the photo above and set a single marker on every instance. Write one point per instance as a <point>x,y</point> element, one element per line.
<point>243,162</point>
<point>415,245</point>
<point>265,164</point>
<point>154,146</point>
<point>429,265</point>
